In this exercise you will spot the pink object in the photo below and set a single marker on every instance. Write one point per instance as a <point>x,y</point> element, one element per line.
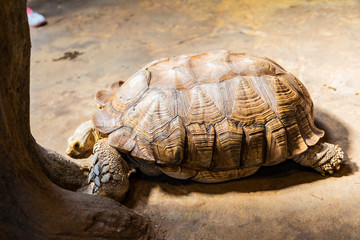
<point>29,10</point>
<point>35,19</point>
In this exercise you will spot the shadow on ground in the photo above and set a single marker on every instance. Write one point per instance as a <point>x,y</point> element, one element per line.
<point>285,175</point>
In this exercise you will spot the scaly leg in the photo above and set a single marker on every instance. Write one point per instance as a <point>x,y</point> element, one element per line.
<point>109,176</point>
<point>323,157</point>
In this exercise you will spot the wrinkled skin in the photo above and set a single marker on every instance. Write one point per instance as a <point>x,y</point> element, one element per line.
<point>81,143</point>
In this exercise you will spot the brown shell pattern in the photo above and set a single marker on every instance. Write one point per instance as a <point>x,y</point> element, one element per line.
<point>218,111</point>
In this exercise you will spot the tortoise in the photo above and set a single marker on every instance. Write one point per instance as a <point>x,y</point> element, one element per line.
<point>209,118</point>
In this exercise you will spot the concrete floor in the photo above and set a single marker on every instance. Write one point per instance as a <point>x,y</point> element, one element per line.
<point>316,40</point>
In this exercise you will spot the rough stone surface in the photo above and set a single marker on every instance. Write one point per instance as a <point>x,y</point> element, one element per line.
<point>88,45</point>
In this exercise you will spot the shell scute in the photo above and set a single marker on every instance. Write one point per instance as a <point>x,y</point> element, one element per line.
<point>107,120</point>
<point>277,147</point>
<point>131,91</point>
<point>122,137</point>
<point>150,117</point>
<point>200,146</point>
<point>143,150</point>
<point>248,106</point>
<point>201,103</point>
<point>228,151</point>
<point>248,65</point>
<point>212,68</point>
<point>104,96</point>
<point>254,146</point>
<point>169,148</point>
<point>174,74</point>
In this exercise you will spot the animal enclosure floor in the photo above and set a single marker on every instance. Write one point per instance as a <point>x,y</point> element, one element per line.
<point>87,45</point>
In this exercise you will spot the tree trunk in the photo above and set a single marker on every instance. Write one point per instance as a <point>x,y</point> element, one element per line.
<point>31,206</point>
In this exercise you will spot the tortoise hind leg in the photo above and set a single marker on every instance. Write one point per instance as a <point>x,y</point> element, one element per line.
<point>109,176</point>
<point>323,157</point>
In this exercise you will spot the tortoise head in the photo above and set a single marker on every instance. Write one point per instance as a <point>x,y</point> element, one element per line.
<point>81,143</point>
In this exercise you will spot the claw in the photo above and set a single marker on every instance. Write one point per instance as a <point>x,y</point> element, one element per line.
<point>97,181</point>
<point>95,158</point>
<point>96,170</point>
<point>91,175</point>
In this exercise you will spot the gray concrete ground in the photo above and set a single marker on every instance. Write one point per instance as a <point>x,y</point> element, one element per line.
<point>318,41</point>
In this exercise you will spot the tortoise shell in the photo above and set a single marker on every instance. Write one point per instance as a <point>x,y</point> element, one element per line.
<point>209,117</point>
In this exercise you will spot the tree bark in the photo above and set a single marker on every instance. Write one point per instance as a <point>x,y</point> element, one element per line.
<point>31,206</point>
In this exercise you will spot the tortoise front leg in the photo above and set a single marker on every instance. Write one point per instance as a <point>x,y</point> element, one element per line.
<point>109,176</point>
<point>323,157</point>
